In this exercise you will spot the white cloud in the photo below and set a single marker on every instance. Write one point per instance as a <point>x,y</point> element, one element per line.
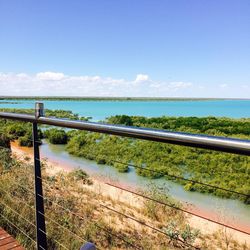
<point>178,85</point>
<point>224,85</point>
<point>245,86</point>
<point>22,75</point>
<point>141,78</point>
<point>50,76</point>
<point>59,84</point>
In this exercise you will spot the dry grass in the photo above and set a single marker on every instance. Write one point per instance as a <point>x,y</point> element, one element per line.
<point>90,219</point>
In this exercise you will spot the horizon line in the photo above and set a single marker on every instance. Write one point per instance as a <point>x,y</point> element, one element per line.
<point>119,97</point>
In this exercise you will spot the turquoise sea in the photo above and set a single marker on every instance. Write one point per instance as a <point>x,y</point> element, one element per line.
<point>99,110</point>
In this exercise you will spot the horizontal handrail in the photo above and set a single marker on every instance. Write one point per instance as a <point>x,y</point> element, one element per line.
<point>223,144</point>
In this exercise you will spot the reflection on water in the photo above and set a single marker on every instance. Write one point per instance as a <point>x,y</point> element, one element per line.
<point>233,210</point>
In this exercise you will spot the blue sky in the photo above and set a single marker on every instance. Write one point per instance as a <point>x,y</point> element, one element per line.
<point>187,48</point>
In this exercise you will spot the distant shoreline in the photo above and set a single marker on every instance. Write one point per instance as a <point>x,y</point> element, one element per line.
<point>72,98</point>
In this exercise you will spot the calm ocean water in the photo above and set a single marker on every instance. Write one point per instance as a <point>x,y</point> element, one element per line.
<point>99,110</point>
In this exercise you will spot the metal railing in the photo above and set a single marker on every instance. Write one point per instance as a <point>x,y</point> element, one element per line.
<point>222,144</point>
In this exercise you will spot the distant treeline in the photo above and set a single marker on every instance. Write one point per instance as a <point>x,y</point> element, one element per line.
<point>69,98</point>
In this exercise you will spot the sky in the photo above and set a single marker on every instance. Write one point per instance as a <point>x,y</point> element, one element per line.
<point>156,48</point>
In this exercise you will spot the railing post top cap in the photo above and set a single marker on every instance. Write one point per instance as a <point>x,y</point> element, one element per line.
<point>39,105</point>
<point>39,109</point>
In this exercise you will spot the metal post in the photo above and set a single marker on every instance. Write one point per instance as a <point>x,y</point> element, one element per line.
<point>39,203</point>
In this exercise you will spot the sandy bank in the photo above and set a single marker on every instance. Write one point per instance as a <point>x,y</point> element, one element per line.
<point>99,186</point>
